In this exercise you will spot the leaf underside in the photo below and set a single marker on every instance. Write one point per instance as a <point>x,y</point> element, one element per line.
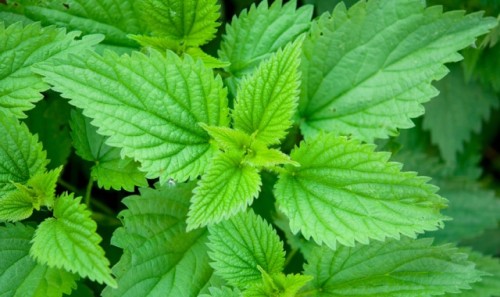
<point>149,106</point>
<point>345,192</point>
<point>367,70</point>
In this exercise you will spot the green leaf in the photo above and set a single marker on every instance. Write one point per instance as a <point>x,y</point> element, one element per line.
<point>472,208</point>
<point>16,206</point>
<point>490,283</point>
<point>208,61</point>
<point>239,245</point>
<point>69,241</point>
<point>255,34</point>
<point>267,99</point>
<point>160,130</point>
<point>21,155</point>
<point>222,292</point>
<point>393,268</point>
<point>49,119</point>
<point>110,170</point>
<point>114,19</point>
<point>42,187</point>
<point>279,285</point>
<point>367,70</point>
<point>228,187</point>
<point>256,153</point>
<point>151,264</point>
<point>228,139</point>
<point>20,48</point>
<point>189,23</point>
<point>20,275</point>
<point>450,129</point>
<point>344,191</point>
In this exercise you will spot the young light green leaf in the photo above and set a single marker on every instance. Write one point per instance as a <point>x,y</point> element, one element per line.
<point>21,155</point>
<point>390,269</point>
<point>20,48</point>
<point>21,275</point>
<point>114,19</point>
<point>489,285</point>
<point>159,129</point>
<point>228,139</point>
<point>227,188</point>
<point>279,285</point>
<point>450,129</point>
<point>42,187</point>
<point>367,70</point>
<point>239,245</point>
<point>262,30</point>
<point>189,22</point>
<point>70,241</point>
<point>208,60</point>
<point>109,170</point>
<point>160,258</point>
<point>267,100</point>
<point>344,192</point>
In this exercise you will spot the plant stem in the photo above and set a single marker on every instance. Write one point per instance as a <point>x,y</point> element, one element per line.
<point>290,256</point>
<point>67,185</point>
<point>88,191</point>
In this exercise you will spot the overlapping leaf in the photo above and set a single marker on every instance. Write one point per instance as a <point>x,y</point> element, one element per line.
<point>466,106</point>
<point>388,269</point>
<point>260,31</point>
<point>489,285</point>
<point>20,274</point>
<point>69,241</point>
<point>150,106</point>
<point>367,70</point>
<point>160,258</point>
<point>114,19</point>
<point>344,192</point>
<point>186,23</point>
<point>222,292</point>
<point>279,284</point>
<point>21,155</point>
<point>472,208</point>
<point>22,47</point>
<point>228,187</point>
<point>267,100</point>
<point>110,170</point>
<point>242,244</point>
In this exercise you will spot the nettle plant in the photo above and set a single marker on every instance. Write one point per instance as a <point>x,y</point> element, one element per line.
<point>260,170</point>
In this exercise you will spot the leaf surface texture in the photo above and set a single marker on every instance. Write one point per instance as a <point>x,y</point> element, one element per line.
<point>149,106</point>
<point>367,70</point>
<point>344,192</point>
